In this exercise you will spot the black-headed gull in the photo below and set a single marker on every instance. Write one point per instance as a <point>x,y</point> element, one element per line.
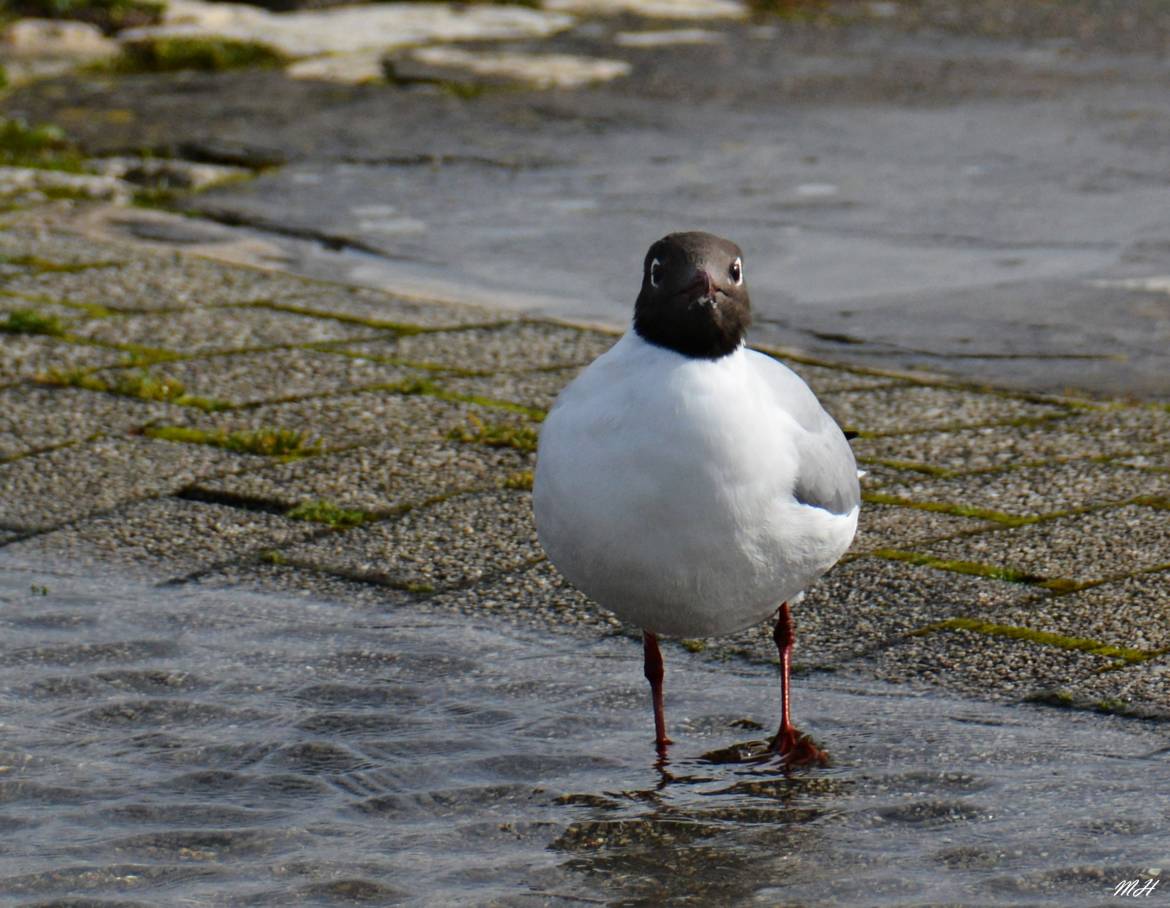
<point>689,484</point>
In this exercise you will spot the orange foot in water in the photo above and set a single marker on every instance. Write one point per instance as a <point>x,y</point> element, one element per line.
<point>798,749</point>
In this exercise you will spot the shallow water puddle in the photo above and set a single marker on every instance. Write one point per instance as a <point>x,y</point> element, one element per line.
<point>216,747</point>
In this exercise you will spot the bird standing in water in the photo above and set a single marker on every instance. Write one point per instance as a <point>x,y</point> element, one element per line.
<point>691,485</point>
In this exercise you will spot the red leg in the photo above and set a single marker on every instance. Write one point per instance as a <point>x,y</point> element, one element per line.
<point>795,747</point>
<point>654,674</point>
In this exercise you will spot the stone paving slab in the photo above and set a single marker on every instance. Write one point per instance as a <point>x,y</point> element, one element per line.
<point>279,374</point>
<point>537,389</point>
<point>993,667</point>
<point>332,301</point>
<point>1082,548</point>
<point>917,408</point>
<point>829,380</point>
<point>128,280</point>
<point>46,490</point>
<point>204,330</point>
<point>377,479</point>
<point>885,527</point>
<point>1036,490</point>
<point>162,539</point>
<point>33,417</point>
<point>450,544</point>
<point>1132,613</point>
<point>513,347</point>
<point>352,419</point>
<point>1085,434</point>
<point>25,356</point>
<point>869,604</point>
<point>1140,690</point>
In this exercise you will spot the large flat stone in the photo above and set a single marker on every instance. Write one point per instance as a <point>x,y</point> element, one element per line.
<point>1083,548</point>
<point>513,347</point>
<point>46,490</point>
<point>450,544</point>
<point>378,478</point>
<point>160,539</point>
<point>915,408</point>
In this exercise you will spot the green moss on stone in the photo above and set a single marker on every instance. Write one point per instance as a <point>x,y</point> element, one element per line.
<point>957,510</point>
<point>289,444</point>
<point>43,146</point>
<point>108,15</point>
<point>974,568</point>
<point>29,321</point>
<point>1044,638</point>
<point>693,646</point>
<point>206,54</point>
<point>521,481</point>
<point>141,385</point>
<point>48,266</point>
<point>328,513</point>
<point>495,435</point>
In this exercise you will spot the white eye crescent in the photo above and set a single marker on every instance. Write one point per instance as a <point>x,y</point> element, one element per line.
<point>735,272</point>
<point>655,273</point>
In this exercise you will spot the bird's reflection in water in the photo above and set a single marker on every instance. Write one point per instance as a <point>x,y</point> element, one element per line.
<point>713,828</point>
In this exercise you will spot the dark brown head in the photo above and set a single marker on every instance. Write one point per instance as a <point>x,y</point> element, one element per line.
<point>694,299</point>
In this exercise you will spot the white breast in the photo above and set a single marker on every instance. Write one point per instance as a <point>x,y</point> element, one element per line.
<point>664,491</point>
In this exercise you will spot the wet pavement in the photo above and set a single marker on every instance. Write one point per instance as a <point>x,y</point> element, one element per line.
<point>275,622</point>
<point>976,190</point>
<point>211,746</point>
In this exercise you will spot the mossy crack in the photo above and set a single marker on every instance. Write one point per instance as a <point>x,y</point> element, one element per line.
<point>1122,654</point>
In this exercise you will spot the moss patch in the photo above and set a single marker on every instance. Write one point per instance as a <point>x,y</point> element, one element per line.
<point>329,514</point>
<point>29,321</point>
<point>158,55</point>
<point>1044,638</point>
<point>520,481</point>
<point>957,510</point>
<point>47,266</point>
<point>974,568</point>
<point>142,385</point>
<point>44,146</point>
<point>375,323</point>
<point>495,435</point>
<point>108,15</point>
<point>289,444</point>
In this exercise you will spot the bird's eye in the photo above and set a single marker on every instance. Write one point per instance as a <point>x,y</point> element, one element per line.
<point>655,273</point>
<point>735,272</point>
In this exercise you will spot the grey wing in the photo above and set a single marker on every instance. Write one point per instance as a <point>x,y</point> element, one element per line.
<point>826,475</point>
